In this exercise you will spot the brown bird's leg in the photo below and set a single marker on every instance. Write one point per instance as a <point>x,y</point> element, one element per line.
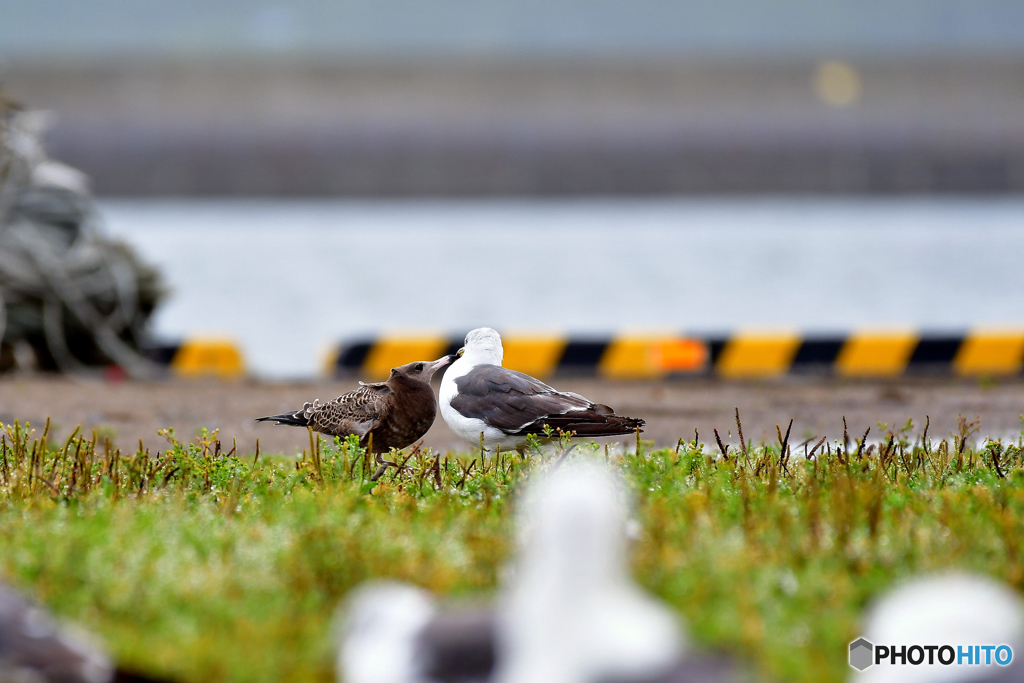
<point>384,465</point>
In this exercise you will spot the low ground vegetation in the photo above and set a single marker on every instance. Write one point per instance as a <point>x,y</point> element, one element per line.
<point>201,564</point>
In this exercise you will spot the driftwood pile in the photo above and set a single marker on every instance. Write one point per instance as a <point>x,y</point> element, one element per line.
<point>79,300</point>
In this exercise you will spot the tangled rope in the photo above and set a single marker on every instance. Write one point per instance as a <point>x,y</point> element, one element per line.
<point>80,299</point>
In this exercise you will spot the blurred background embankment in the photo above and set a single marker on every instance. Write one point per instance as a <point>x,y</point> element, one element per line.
<point>459,98</point>
<point>304,174</point>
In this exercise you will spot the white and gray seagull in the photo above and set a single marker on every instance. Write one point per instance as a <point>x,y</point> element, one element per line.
<point>478,396</point>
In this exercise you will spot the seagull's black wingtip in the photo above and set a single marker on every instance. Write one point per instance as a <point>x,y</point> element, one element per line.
<point>586,424</point>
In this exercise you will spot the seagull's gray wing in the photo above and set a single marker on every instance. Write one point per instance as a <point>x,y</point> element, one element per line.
<point>356,412</point>
<point>510,400</point>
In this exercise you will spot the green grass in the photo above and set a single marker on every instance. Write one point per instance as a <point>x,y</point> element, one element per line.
<point>195,563</point>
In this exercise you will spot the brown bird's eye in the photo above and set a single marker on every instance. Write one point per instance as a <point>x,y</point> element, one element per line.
<point>419,366</point>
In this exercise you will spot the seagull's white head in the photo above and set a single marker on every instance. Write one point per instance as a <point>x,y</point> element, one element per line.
<point>483,347</point>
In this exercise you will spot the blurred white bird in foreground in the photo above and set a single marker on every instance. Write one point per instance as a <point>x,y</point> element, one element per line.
<point>34,649</point>
<point>569,614</point>
<point>379,642</point>
<point>572,614</point>
<point>394,633</point>
<point>952,609</point>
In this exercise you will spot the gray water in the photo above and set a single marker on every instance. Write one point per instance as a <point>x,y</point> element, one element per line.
<point>290,279</point>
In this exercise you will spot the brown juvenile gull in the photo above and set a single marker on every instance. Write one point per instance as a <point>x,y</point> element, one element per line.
<point>478,396</point>
<point>396,412</point>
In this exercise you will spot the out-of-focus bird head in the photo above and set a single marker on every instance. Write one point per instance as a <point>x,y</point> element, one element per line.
<point>943,609</point>
<point>572,527</point>
<point>572,613</point>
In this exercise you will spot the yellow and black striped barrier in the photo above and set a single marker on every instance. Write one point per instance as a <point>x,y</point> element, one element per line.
<point>745,355</point>
<point>201,357</point>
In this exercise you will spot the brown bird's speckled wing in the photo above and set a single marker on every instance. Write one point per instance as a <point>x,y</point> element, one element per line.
<point>356,412</point>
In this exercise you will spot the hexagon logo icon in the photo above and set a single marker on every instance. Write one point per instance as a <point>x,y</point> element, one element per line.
<point>861,652</point>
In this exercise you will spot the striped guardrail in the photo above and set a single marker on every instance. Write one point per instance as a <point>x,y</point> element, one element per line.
<point>743,355</point>
<point>201,357</point>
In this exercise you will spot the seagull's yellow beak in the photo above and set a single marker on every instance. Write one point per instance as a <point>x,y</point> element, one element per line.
<point>461,351</point>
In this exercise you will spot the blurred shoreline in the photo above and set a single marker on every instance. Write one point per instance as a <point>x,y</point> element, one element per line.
<point>288,126</point>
